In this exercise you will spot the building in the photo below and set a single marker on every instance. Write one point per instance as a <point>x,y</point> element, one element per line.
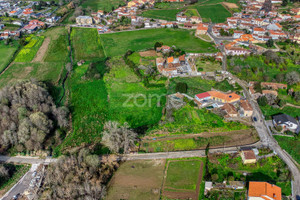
<point>223,97</point>
<point>230,110</point>
<point>202,96</point>
<point>84,20</point>
<point>246,108</point>
<point>201,29</point>
<point>248,156</point>
<point>286,122</point>
<point>274,27</point>
<point>263,191</point>
<point>274,86</point>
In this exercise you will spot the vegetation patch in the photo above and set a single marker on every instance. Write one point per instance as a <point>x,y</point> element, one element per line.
<point>291,145</point>
<point>6,52</point>
<point>86,44</point>
<point>28,52</point>
<point>105,5</point>
<point>216,13</point>
<point>117,44</point>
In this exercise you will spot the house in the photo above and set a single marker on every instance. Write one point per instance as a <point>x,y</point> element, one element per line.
<point>230,110</point>
<point>295,11</point>
<point>263,190</point>
<point>164,49</point>
<point>248,156</point>
<point>274,86</point>
<point>190,25</point>
<point>275,35</point>
<point>264,92</point>
<point>84,20</point>
<point>219,56</point>
<point>202,96</point>
<point>230,50</point>
<point>238,34</point>
<point>201,29</point>
<point>274,27</point>
<point>286,122</point>
<point>259,31</point>
<point>296,17</point>
<point>246,108</point>
<point>181,18</point>
<point>223,97</point>
<point>208,186</point>
<point>196,19</point>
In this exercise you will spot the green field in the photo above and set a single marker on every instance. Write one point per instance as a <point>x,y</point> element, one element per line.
<point>168,14</point>
<point>117,44</point>
<point>191,13</point>
<point>169,5</point>
<point>6,52</point>
<point>207,66</point>
<point>86,44</point>
<point>216,13</point>
<point>58,47</point>
<point>183,174</point>
<point>291,145</point>
<point>269,111</point>
<point>28,52</point>
<point>130,101</point>
<point>106,5</point>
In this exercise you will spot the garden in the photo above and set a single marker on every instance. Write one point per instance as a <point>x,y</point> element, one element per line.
<point>29,51</point>
<point>117,44</point>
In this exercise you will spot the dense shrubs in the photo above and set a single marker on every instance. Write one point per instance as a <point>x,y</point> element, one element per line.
<point>28,116</point>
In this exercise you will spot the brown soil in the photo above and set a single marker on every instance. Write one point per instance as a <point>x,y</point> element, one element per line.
<point>42,51</point>
<point>182,193</point>
<point>149,53</point>
<point>230,5</point>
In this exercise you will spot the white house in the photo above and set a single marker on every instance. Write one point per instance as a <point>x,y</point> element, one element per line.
<point>286,122</point>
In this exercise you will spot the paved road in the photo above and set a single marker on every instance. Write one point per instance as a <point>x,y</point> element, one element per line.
<point>21,159</point>
<point>267,139</point>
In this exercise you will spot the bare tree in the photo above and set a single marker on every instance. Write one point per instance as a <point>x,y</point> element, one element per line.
<point>117,137</point>
<point>292,78</point>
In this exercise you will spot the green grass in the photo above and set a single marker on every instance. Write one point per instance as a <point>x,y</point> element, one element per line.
<point>167,5</point>
<point>6,52</point>
<point>272,170</point>
<point>58,47</point>
<point>183,174</point>
<point>106,5</point>
<point>291,145</point>
<point>89,107</point>
<point>168,14</point>
<point>129,100</point>
<point>208,66</point>
<point>191,13</point>
<point>283,95</point>
<point>86,44</point>
<point>269,111</point>
<point>48,72</point>
<point>117,44</point>
<point>265,46</point>
<point>28,52</point>
<point>216,13</point>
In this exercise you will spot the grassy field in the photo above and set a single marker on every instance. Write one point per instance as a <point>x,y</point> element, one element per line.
<point>58,47</point>
<point>129,100</point>
<point>272,170</point>
<point>191,13</point>
<point>6,52</point>
<point>136,180</point>
<point>105,5</point>
<point>183,174</point>
<point>168,5</point>
<point>89,107</point>
<point>208,66</point>
<point>216,13</point>
<point>168,14</point>
<point>269,111</point>
<point>28,52</point>
<point>49,72</point>
<point>86,44</point>
<point>117,44</point>
<point>291,145</point>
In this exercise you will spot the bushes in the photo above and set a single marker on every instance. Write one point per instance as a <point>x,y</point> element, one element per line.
<point>29,51</point>
<point>181,87</point>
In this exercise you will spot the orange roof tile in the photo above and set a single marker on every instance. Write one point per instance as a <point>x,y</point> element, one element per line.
<point>226,97</point>
<point>170,59</point>
<point>261,189</point>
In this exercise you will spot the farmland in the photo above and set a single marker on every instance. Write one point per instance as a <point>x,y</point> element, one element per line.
<point>117,44</point>
<point>168,14</point>
<point>214,13</point>
<point>86,44</point>
<point>291,145</point>
<point>28,52</point>
<point>136,180</point>
<point>6,52</point>
<point>105,5</point>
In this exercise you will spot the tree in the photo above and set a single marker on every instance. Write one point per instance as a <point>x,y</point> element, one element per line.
<point>257,87</point>
<point>297,96</point>
<point>270,43</point>
<point>262,101</point>
<point>284,3</point>
<point>292,78</point>
<point>181,87</point>
<point>158,44</point>
<point>271,99</point>
<point>117,137</point>
<point>280,77</point>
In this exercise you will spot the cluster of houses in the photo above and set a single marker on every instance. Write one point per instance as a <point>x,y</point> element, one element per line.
<point>172,66</point>
<point>231,104</point>
<point>267,88</point>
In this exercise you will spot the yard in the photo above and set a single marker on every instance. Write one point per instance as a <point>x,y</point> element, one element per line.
<point>214,13</point>
<point>230,167</point>
<point>136,180</point>
<point>291,145</point>
<point>167,14</point>
<point>6,52</point>
<point>117,44</point>
<point>183,179</point>
<point>105,5</point>
<point>86,44</point>
<point>207,66</point>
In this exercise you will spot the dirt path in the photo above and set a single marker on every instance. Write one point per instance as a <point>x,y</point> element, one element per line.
<point>42,51</point>
<point>290,105</point>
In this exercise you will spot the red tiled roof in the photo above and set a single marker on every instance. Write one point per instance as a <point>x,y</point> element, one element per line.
<point>203,95</point>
